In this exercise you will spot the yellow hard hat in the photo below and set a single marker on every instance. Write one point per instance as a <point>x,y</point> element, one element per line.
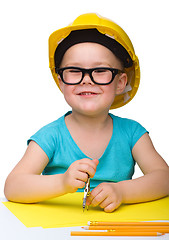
<point>110,30</point>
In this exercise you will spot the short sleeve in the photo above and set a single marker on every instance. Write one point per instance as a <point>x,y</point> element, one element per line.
<point>46,139</point>
<point>137,132</point>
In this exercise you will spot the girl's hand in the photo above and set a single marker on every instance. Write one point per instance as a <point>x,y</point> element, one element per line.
<point>107,196</point>
<point>77,174</point>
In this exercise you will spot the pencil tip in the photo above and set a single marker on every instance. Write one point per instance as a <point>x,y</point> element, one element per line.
<point>86,228</point>
<point>160,234</point>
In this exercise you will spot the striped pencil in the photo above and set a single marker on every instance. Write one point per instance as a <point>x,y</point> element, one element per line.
<point>112,233</point>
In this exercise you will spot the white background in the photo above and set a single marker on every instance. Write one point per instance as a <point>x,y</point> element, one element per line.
<point>29,98</point>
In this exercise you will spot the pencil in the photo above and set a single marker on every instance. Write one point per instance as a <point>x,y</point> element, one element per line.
<point>97,223</point>
<point>161,229</point>
<point>111,233</point>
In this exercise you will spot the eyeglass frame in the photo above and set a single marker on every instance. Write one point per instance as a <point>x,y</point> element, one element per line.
<point>89,71</point>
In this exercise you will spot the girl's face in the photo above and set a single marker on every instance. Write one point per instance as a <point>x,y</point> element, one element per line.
<point>87,97</point>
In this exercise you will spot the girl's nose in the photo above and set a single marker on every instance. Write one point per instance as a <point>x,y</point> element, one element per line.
<point>87,79</point>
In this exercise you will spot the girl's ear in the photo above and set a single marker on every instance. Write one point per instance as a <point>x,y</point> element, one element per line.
<point>121,84</point>
<point>60,83</point>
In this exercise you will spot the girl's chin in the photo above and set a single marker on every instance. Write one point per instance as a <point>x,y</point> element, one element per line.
<point>90,110</point>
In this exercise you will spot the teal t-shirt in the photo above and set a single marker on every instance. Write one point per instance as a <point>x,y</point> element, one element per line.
<point>116,164</point>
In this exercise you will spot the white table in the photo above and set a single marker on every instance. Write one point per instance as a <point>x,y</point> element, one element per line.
<point>12,229</point>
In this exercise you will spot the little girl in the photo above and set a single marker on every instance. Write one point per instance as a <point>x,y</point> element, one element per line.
<point>94,65</point>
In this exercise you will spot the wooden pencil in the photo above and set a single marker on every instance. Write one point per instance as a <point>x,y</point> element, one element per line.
<point>111,233</point>
<point>162,229</point>
<point>97,223</point>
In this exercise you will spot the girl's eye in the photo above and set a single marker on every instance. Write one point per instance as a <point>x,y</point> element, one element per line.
<point>100,70</point>
<point>74,71</point>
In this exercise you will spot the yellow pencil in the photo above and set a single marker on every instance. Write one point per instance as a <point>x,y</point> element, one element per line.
<point>97,223</point>
<point>161,229</point>
<point>112,233</point>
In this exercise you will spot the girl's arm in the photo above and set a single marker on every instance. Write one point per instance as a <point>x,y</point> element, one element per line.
<point>26,184</point>
<point>155,182</point>
<point>153,185</point>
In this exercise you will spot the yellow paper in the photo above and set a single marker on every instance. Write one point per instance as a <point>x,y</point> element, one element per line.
<point>66,211</point>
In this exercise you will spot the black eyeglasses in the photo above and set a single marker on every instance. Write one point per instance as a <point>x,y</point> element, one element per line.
<point>99,75</point>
